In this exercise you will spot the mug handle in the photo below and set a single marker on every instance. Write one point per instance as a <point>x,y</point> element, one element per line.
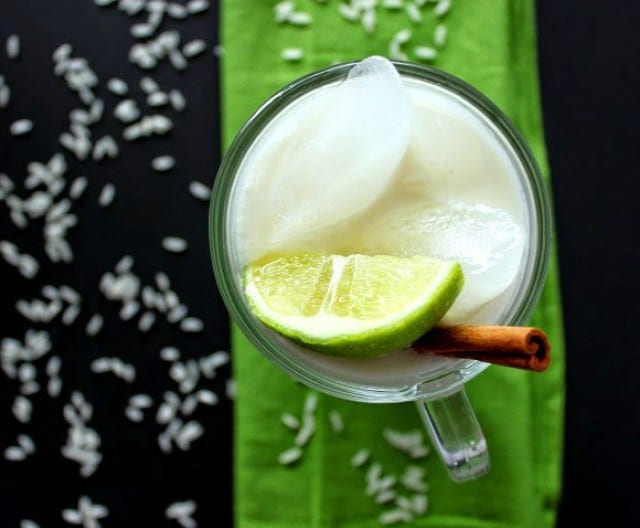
<point>456,434</point>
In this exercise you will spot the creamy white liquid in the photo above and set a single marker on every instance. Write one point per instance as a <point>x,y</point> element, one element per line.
<point>457,167</point>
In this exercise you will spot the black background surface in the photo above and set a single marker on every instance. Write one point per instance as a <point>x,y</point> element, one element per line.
<point>589,55</point>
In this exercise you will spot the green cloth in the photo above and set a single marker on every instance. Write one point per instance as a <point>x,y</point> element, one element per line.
<point>491,44</point>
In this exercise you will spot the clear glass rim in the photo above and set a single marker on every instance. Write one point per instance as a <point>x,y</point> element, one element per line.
<point>263,338</point>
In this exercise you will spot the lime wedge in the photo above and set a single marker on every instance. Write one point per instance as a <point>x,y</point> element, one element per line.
<point>355,305</point>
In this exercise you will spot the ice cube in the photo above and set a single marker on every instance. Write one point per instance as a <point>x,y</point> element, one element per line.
<point>326,159</point>
<point>487,242</point>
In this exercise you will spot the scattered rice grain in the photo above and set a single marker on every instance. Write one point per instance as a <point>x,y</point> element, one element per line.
<point>117,86</point>
<point>174,244</point>
<point>413,12</point>
<point>425,52</point>
<point>146,321</point>
<point>191,325</point>
<point>290,456</point>
<point>197,6</point>
<point>440,35</point>
<point>21,127</point>
<point>13,47</point>
<point>107,195</point>
<point>94,325</point>
<point>14,454</point>
<point>78,187</point>
<point>290,421</point>
<point>177,100</point>
<point>194,47</point>
<point>292,54</point>
<point>360,458</point>
<point>163,163</point>
<point>442,8</point>
<point>335,419</point>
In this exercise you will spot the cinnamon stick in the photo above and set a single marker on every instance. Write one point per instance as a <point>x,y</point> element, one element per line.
<point>511,346</point>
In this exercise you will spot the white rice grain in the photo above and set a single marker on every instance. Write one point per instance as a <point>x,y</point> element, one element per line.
<point>161,124</point>
<point>440,35</point>
<point>105,147</point>
<point>290,421</point>
<point>292,54</point>
<point>207,397</point>
<point>231,389</point>
<point>191,325</point>
<point>162,281</point>
<point>174,244</point>
<point>53,366</point>
<point>117,86</point>
<point>170,354</point>
<point>124,265</point>
<point>68,294</point>
<point>107,195</point>
<point>149,85</point>
<point>127,111</point>
<point>189,405</point>
<point>94,325</point>
<point>392,4</point>
<point>337,424</point>
<point>368,20</point>
<point>78,187</point>
<point>385,496</point>
<point>5,96</point>
<point>290,456</point>
<point>310,403</point>
<point>197,6</point>
<point>360,458</point>
<point>163,163</point>
<point>27,444</point>
<point>26,373</point>
<point>22,409</point>
<point>146,321</point>
<point>177,60</point>
<point>158,99</point>
<point>200,191</point>
<point>193,48</point>
<point>72,516</point>
<point>28,523</point>
<point>70,315</point>
<point>13,47</point>
<point>349,12</point>
<point>418,504</point>
<point>413,12</point>
<point>141,401</point>
<point>29,388</point>
<point>177,11</point>
<point>133,414</point>
<point>14,454</point>
<point>54,387</point>
<point>425,52</point>
<point>442,8</point>
<point>395,516</point>
<point>177,100</point>
<point>142,30</point>
<point>129,310</point>
<point>300,19</point>
<point>21,127</point>
<point>306,431</point>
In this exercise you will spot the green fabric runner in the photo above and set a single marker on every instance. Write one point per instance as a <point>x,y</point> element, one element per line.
<point>492,46</point>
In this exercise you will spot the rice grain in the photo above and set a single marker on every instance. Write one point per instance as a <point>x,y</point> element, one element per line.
<point>21,127</point>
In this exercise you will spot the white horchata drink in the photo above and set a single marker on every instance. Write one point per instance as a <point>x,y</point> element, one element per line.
<point>381,164</point>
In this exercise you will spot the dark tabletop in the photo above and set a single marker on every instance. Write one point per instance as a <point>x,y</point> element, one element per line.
<point>589,78</point>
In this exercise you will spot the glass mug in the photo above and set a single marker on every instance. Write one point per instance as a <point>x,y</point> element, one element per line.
<point>439,393</point>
